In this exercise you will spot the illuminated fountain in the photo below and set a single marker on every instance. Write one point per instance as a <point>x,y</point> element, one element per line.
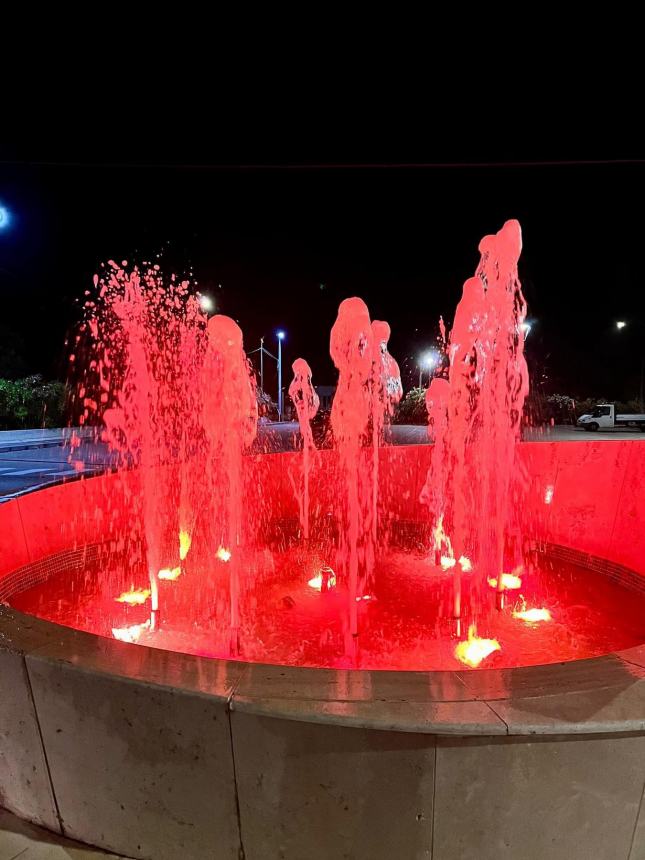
<point>363,591</point>
<point>312,570</point>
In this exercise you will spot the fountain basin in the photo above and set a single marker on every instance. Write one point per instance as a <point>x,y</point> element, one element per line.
<point>160,754</point>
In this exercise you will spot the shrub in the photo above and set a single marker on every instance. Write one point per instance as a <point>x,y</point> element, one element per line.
<point>31,402</point>
<point>412,409</point>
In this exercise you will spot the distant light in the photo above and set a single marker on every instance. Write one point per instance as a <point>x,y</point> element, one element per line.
<point>5,218</point>
<point>526,327</point>
<point>206,303</point>
<point>280,335</point>
<point>621,324</point>
<point>429,359</point>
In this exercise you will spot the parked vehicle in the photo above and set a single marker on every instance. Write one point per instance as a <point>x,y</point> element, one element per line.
<point>603,417</point>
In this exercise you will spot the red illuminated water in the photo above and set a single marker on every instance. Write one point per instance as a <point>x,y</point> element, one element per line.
<point>475,415</point>
<point>306,401</point>
<point>352,351</point>
<point>229,414</point>
<point>143,338</point>
<point>208,539</point>
<point>386,391</point>
<point>407,624</point>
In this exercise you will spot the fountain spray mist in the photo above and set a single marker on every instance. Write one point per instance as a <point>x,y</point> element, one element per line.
<point>351,348</point>
<point>229,416</point>
<point>475,418</point>
<point>306,402</point>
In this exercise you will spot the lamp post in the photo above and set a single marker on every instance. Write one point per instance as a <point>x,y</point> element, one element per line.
<point>264,351</point>
<point>428,360</point>
<point>280,335</point>
<point>620,325</point>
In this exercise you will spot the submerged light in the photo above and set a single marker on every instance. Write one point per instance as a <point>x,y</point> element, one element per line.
<point>134,597</point>
<point>473,650</point>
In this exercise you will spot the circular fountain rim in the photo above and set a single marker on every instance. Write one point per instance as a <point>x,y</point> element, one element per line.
<point>587,696</point>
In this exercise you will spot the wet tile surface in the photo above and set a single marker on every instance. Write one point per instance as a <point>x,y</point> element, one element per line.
<point>451,718</point>
<point>405,701</point>
<point>285,682</point>
<point>603,709</point>
<point>154,666</point>
<point>574,676</point>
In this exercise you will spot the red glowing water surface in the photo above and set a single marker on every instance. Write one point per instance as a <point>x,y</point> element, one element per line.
<point>406,624</point>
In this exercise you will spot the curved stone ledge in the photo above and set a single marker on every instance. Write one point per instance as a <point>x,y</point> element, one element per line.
<point>154,754</point>
<point>598,695</point>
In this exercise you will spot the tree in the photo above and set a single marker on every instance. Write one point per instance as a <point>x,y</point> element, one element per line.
<point>31,402</point>
<point>412,409</point>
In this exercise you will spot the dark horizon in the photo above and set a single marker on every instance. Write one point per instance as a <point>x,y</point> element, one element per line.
<point>288,244</point>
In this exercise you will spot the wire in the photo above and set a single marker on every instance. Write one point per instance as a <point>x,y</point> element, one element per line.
<point>441,165</point>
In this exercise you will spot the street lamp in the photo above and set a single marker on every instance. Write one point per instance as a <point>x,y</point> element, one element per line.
<point>620,325</point>
<point>264,351</point>
<point>206,303</point>
<point>280,335</point>
<point>5,218</point>
<point>428,360</point>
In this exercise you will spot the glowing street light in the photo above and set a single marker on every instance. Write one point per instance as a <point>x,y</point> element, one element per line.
<point>5,218</point>
<point>620,325</point>
<point>427,361</point>
<point>206,303</point>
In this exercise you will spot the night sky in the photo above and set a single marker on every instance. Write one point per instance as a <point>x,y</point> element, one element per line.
<point>287,245</point>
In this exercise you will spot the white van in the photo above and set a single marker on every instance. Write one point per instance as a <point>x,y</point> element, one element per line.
<point>604,417</point>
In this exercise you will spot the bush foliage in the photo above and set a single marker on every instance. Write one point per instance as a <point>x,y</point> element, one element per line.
<point>31,403</point>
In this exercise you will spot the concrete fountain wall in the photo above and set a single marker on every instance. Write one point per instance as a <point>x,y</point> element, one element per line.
<point>154,754</point>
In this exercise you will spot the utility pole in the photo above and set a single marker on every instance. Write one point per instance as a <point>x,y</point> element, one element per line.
<point>264,351</point>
